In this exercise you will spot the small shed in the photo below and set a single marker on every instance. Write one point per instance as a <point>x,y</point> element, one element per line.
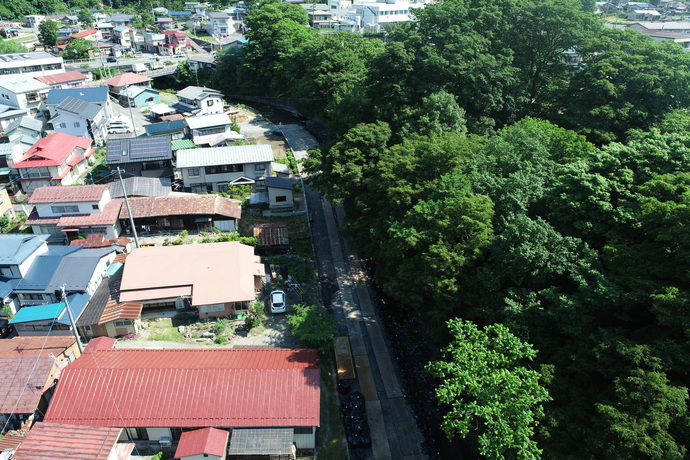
<point>274,443</point>
<point>207,443</point>
<point>279,191</point>
<point>272,237</point>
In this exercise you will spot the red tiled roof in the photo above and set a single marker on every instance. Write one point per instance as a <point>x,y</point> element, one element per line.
<point>98,240</point>
<point>210,441</point>
<point>53,440</point>
<point>127,78</point>
<point>52,150</point>
<point>108,216</point>
<point>64,77</point>
<point>68,194</point>
<point>30,360</point>
<point>179,205</point>
<point>189,388</point>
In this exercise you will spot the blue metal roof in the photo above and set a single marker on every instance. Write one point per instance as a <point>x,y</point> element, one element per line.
<point>98,94</point>
<point>75,270</point>
<point>165,126</point>
<point>7,285</point>
<point>14,249</point>
<point>278,182</point>
<point>114,268</point>
<point>43,268</point>
<point>179,13</point>
<point>53,311</point>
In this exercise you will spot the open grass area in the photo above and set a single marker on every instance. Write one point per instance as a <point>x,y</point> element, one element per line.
<point>163,330</point>
<point>330,438</point>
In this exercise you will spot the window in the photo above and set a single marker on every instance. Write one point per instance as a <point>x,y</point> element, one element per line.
<point>94,206</point>
<point>211,308</point>
<point>77,124</point>
<point>193,172</point>
<point>224,169</point>
<point>63,125</point>
<point>64,209</point>
<point>32,296</point>
<point>153,165</point>
<point>281,199</point>
<point>124,322</point>
<point>260,167</point>
<point>209,102</point>
<point>303,430</point>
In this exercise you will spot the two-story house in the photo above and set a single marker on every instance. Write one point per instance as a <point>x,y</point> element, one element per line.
<point>66,213</point>
<point>92,35</point>
<point>23,92</point>
<point>125,80</point>
<point>196,100</point>
<point>70,79</point>
<point>82,119</point>
<point>98,96</point>
<point>219,24</point>
<point>106,29</point>
<point>17,254</point>
<point>122,36</point>
<point>122,20</point>
<point>215,169</point>
<point>154,42</point>
<point>141,156</point>
<point>204,125</point>
<point>32,64</point>
<point>58,159</point>
<point>175,42</point>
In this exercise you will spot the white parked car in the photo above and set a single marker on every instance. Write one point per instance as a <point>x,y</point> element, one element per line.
<point>278,304</point>
<point>119,126</point>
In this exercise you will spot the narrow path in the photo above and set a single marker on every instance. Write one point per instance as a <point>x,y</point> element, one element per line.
<point>394,431</point>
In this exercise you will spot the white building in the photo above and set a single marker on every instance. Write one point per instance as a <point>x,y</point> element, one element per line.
<point>23,92</point>
<point>82,119</point>
<point>373,16</point>
<point>31,64</point>
<point>199,101</point>
<point>219,24</point>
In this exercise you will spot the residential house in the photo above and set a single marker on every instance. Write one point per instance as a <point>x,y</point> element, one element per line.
<point>235,47</point>
<point>215,279</point>
<point>219,24</point>
<point>32,21</point>
<point>98,96</point>
<point>160,11</point>
<point>65,32</point>
<point>70,79</point>
<point>80,118</point>
<point>122,20</point>
<point>6,209</point>
<point>125,80</point>
<point>32,367</point>
<point>208,443</point>
<point>58,159</point>
<point>202,62</point>
<point>180,15</point>
<point>24,131</point>
<point>71,212</point>
<point>253,406</point>
<point>196,100</point>
<point>106,29</point>
<point>174,213</point>
<point>644,15</point>
<point>218,168</point>
<point>122,36</point>
<point>92,35</point>
<point>175,42</point>
<point>165,23</point>
<point>662,35</point>
<point>190,6</point>
<point>17,254</point>
<point>320,15</point>
<point>203,125</point>
<point>53,440</point>
<point>8,114</point>
<point>79,271</point>
<point>670,26</point>
<point>141,186</point>
<point>69,20</point>
<point>137,96</point>
<point>141,156</point>
<point>154,42</point>
<point>23,92</point>
<point>105,315</point>
<point>98,241</point>
<point>279,190</point>
<point>31,64</point>
<point>174,128</point>
<point>373,16</point>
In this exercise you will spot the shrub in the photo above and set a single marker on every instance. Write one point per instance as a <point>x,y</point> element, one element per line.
<point>249,240</point>
<point>313,325</point>
<point>254,316</point>
<point>220,326</point>
<point>184,234</point>
<point>220,340</point>
<point>207,240</point>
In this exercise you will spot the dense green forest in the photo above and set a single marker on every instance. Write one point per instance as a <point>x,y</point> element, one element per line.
<point>539,202</point>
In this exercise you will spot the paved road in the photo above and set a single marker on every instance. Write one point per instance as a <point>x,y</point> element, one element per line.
<point>394,431</point>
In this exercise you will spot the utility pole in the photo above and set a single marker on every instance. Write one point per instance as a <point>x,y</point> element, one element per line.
<point>71,319</point>
<point>129,210</point>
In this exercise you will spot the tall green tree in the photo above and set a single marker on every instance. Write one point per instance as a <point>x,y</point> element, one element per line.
<point>78,49</point>
<point>12,46</point>
<point>47,33</point>
<point>490,391</point>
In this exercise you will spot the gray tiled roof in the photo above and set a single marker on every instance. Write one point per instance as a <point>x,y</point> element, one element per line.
<point>236,154</point>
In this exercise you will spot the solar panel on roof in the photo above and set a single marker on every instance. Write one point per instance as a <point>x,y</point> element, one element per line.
<point>150,148</point>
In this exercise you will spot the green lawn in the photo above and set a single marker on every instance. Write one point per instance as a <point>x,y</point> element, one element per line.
<point>330,439</point>
<point>164,331</point>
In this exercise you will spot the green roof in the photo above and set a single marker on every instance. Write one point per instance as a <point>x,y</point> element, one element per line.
<point>38,313</point>
<point>183,144</point>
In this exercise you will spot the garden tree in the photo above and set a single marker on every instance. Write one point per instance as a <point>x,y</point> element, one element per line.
<point>437,114</point>
<point>542,31</point>
<point>85,17</point>
<point>47,33</point>
<point>78,49</point>
<point>489,390</point>
<point>433,244</point>
<point>12,46</point>
<point>276,33</point>
<point>144,20</point>
<point>314,326</point>
<point>626,81</point>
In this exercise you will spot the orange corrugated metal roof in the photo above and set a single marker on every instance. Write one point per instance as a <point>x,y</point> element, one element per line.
<point>64,77</point>
<point>210,441</point>
<point>53,440</point>
<point>68,194</point>
<point>189,388</point>
<point>127,78</point>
